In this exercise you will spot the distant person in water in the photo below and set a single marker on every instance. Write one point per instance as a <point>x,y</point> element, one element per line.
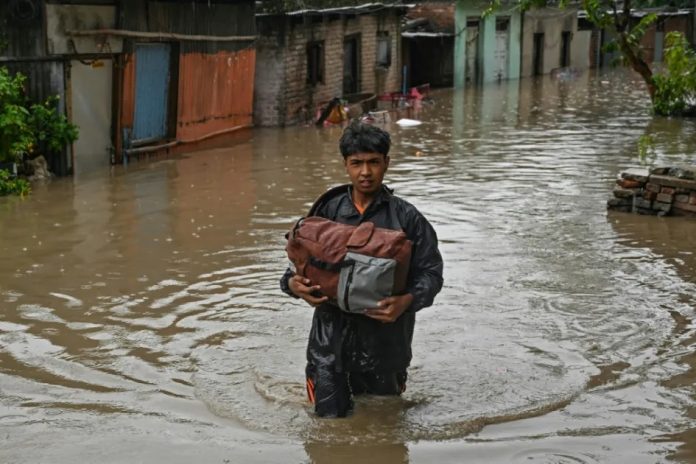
<point>366,353</point>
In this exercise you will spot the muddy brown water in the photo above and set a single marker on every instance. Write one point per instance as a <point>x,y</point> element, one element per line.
<point>141,319</point>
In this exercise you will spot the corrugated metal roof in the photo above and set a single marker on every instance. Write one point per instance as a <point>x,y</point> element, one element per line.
<point>413,35</point>
<point>365,8</point>
<point>643,12</point>
<point>431,17</point>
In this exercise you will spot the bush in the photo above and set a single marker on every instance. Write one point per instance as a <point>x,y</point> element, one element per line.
<point>675,87</point>
<point>13,186</point>
<point>16,137</point>
<point>49,126</point>
<point>26,129</point>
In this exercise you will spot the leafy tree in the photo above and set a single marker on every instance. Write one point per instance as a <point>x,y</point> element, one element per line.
<point>672,91</point>
<point>675,87</point>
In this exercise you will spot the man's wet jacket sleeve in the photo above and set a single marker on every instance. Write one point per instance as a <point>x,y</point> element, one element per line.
<point>284,283</point>
<point>425,276</point>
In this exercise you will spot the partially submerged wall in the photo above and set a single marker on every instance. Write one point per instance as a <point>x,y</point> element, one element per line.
<point>662,191</point>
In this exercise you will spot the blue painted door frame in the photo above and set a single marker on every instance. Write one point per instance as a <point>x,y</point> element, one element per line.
<point>152,77</point>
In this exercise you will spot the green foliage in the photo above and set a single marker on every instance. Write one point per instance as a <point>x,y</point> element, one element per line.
<point>646,146</point>
<point>23,127</point>
<point>15,135</point>
<point>675,86</point>
<point>598,13</point>
<point>12,186</point>
<point>51,127</point>
<point>636,33</point>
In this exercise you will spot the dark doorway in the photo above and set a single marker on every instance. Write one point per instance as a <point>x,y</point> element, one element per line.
<point>351,65</point>
<point>565,49</point>
<point>538,57</point>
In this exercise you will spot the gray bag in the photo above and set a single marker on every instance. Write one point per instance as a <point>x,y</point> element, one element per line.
<point>364,281</point>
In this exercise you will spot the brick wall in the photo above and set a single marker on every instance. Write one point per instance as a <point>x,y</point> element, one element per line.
<point>662,191</point>
<point>670,23</point>
<point>282,94</point>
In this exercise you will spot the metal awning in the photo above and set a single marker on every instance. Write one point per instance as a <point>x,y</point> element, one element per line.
<point>365,8</point>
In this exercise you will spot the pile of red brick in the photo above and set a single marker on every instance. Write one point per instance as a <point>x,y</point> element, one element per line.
<point>662,191</point>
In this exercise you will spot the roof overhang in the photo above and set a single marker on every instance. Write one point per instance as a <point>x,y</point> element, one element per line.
<point>366,8</point>
<point>644,12</point>
<point>416,35</point>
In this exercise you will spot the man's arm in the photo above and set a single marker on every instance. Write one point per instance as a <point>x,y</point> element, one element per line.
<point>284,283</point>
<point>425,276</point>
<point>301,287</point>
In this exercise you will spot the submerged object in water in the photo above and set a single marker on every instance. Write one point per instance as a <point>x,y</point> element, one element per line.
<point>405,122</point>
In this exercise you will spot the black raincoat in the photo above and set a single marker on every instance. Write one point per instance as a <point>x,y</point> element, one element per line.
<point>345,342</point>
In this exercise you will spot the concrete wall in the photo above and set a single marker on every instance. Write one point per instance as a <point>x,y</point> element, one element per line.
<point>488,42</point>
<point>580,53</point>
<point>63,18</point>
<point>552,23</point>
<point>282,94</point>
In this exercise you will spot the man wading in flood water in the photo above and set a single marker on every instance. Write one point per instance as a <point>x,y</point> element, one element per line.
<point>368,353</point>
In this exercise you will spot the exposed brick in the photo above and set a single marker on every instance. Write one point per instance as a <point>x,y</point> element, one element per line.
<point>642,203</point>
<point>663,208</point>
<point>652,187</point>
<point>673,182</point>
<point>649,195</point>
<point>659,171</point>
<point>683,172</point>
<point>685,207</point>
<point>624,193</point>
<point>667,190</point>
<point>692,198</point>
<point>629,183</point>
<point>640,175</point>
<point>681,198</point>
<point>615,202</point>
<point>664,198</point>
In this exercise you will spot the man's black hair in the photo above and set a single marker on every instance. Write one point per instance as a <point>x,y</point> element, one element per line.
<point>364,138</point>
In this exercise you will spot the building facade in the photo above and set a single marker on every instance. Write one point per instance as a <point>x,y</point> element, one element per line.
<point>306,58</point>
<point>486,47</point>
<point>548,35</point>
<point>135,75</point>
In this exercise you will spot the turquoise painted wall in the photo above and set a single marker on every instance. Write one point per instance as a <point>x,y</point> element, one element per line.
<point>487,42</point>
<point>459,46</point>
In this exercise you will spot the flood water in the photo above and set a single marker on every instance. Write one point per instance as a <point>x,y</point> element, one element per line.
<point>141,319</point>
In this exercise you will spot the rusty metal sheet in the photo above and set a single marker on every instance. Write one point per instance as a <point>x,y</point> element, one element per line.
<point>215,92</point>
<point>127,103</point>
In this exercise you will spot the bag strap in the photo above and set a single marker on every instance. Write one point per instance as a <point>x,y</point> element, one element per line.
<point>331,267</point>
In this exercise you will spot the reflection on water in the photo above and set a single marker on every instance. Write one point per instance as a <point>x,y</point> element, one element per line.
<point>141,305</point>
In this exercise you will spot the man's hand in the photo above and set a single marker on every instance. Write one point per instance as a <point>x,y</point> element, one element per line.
<point>302,287</point>
<point>391,308</point>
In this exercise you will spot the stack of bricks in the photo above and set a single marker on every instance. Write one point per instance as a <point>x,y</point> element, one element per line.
<point>662,191</point>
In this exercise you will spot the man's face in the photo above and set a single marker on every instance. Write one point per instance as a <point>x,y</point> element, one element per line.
<point>366,171</point>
